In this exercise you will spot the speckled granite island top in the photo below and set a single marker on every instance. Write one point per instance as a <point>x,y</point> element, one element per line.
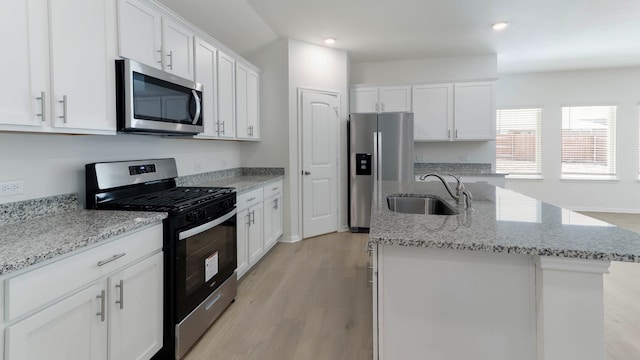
<point>501,221</point>
<point>29,242</point>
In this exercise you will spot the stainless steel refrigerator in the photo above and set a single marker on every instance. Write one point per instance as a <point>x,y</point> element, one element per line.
<point>380,148</point>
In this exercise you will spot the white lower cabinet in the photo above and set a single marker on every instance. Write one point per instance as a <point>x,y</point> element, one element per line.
<point>67,330</point>
<point>272,214</point>
<point>259,223</point>
<point>250,240</point>
<point>135,310</point>
<point>108,309</point>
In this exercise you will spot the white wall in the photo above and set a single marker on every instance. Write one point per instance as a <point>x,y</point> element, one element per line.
<point>273,147</point>
<point>54,164</point>
<point>553,90</point>
<point>433,70</point>
<point>445,69</point>
<point>286,66</point>
<point>320,68</point>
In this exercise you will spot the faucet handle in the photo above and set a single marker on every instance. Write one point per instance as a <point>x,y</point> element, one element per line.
<point>460,187</point>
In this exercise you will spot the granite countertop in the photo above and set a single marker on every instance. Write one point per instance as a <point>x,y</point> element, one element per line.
<point>501,221</point>
<point>243,183</point>
<point>245,179</point>
<point>36,230</point>
<point>459,169</point>
<point>32,241</point>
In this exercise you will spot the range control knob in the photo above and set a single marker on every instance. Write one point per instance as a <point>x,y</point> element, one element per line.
<point>192,217</point>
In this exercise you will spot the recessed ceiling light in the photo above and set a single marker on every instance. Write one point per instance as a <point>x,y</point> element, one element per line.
<point>330,41</point>
<point>499,25</point>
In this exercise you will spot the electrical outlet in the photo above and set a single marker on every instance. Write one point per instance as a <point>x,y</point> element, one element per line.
<point>464,158</point>
<point>419,158</point>
<point>8,188</point>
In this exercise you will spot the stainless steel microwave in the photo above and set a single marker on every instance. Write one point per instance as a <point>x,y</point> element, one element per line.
<point>151,101</point>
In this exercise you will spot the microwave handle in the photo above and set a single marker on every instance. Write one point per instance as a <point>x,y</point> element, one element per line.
<point>198,107</point>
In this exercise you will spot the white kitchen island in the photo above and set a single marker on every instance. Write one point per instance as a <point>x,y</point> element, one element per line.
<point>512,279</point>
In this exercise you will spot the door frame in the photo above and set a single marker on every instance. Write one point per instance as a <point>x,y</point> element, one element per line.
<point>298,163</point>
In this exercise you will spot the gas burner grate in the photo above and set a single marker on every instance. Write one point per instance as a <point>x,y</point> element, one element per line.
<point>175,199</point>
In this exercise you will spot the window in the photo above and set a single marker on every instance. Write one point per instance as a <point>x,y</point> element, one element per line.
<point>588,141</point>
<point>518,142</point>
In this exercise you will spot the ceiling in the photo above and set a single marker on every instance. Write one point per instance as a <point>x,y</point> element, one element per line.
<point>543,35</point>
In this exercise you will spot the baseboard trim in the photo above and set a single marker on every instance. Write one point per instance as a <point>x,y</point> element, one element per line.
<point>290,239</point>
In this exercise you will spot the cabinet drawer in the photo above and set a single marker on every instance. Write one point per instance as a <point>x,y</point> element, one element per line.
<point>28,291</point>
<point>247,199</point>
<point>272,189</point>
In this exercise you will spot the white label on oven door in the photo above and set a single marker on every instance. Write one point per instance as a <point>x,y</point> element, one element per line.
<point>210,266</point>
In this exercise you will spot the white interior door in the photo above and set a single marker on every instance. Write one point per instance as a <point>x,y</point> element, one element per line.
<point>319,186</point>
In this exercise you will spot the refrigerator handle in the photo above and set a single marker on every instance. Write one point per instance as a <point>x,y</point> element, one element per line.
<point>379,149</point>
<point>375,155</point>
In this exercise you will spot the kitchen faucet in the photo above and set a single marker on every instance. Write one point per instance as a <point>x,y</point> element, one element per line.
<point>461,194</point>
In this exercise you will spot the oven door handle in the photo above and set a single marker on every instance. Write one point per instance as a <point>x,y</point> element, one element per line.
<point>204,227</point>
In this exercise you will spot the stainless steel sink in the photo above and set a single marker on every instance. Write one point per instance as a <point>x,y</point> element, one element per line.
<point>416,204</point>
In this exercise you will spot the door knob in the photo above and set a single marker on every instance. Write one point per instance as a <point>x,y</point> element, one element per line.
<point>306,173</point>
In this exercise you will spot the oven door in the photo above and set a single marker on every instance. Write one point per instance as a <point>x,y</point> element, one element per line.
<point>206,255</point>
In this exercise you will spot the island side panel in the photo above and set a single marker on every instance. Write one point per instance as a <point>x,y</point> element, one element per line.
<point>452,304</point>
<point>570,308</point>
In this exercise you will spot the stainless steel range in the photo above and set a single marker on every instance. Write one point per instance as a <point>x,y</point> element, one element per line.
<point>200,233</point>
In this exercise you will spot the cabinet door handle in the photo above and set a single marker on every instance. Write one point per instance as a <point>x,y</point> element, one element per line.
<point>382,106</point>
<point>253,217</point>
<point>159,52</point>
<point>275,204</point>
<point>456,135</point>
<point>114,257</point>
<point>250,199</point>
<point>64,108</point>
<point>218,128</point>
<point>376,107</point>
<point>43,106</point>
<point>275,188</point>
<point>223,128</point>
<point>102,298</point>
<point>369,274</point>
<point>170,56</point>
<point>121,301</point>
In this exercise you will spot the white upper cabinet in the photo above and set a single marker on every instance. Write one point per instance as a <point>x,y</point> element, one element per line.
<point>146,36</point>
<point>394,98</point>
<point>55,55</point>
<point>474,109</point>
<point>140,32</point>
<point>24,71</point>
<point>205,74</point>
<point>247,103</point>
<point>454,112</point>
<point>82,53</point>
<point>380,99</point>
<point>432,112</point>
<point>226,95</point>
<point>177,49</point>
<point>363,100</point>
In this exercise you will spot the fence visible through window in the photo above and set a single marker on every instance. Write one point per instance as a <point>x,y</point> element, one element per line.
<point>518,141</point>
<point>588,140</point>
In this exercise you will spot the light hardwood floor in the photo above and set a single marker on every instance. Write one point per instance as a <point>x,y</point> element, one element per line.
<point>310,301</point>
<point>622,297</point>
<point>307,300</point>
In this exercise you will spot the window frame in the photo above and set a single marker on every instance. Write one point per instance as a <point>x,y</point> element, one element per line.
<point>538,141</point>
<point>611,146</point>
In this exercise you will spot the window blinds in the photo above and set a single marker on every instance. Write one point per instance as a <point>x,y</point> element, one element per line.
<point>518,141</point>
<point>588,140</point>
